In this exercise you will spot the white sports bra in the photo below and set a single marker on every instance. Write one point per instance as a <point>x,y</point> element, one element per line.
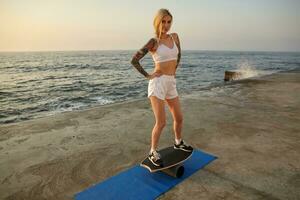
<point>164,53</point>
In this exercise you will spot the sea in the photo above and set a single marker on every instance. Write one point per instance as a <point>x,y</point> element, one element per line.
<point>38,84</point>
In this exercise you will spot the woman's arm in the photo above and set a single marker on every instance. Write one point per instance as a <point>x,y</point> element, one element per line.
<point>179,49</point>
<point>140,54</point>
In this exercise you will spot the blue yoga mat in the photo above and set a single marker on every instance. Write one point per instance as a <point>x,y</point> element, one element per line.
<point>138,183</point>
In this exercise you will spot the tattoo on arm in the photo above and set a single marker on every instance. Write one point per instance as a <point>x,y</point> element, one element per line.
<point>179,52</point>
<point>140,54</point>
<point>178,58</point>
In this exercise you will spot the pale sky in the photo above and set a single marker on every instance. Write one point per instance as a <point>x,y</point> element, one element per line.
<point>238,25</point>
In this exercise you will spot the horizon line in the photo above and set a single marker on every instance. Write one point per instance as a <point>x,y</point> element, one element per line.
<point>28,51</point>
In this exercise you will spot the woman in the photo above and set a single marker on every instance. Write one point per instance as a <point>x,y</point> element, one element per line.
<point>166,53</point>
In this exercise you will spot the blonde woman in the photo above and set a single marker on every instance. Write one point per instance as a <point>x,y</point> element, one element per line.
<point>166,53</point>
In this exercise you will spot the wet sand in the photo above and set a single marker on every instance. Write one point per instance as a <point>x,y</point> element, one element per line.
<point>252,125</point>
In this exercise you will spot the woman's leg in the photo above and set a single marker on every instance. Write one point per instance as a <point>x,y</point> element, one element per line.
<point>158,107</point>
<point>174,106</point>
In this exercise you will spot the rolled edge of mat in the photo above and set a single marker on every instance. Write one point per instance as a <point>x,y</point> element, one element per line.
<point>176,171</point>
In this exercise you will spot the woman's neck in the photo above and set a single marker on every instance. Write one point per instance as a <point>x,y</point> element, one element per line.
<point>164,36</point>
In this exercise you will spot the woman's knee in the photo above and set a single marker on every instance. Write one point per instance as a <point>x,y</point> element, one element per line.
<point>160,124</point>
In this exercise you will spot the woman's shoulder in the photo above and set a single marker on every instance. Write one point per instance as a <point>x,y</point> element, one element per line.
<point>174,35</point>
<point>154,40</point>
<point>152,44</point>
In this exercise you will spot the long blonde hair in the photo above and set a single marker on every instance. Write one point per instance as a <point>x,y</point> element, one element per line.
<point>157,21</point>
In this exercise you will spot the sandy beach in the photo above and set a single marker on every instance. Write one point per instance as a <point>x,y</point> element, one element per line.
<point>252,125</point>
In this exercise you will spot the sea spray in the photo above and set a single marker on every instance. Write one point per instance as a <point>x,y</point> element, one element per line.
<point>246,70</point>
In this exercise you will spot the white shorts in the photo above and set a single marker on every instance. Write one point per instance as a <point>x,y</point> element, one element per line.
<point>163,87</point>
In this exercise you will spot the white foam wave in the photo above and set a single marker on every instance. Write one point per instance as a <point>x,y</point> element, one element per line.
<point>102,100</point>
<point>246,70</point>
